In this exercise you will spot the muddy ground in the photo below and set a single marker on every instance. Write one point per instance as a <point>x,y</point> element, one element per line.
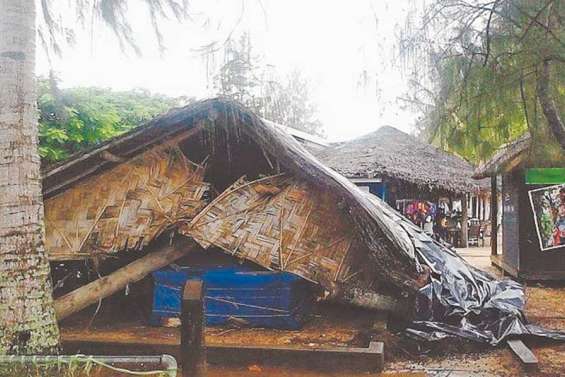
<point>343,326</point>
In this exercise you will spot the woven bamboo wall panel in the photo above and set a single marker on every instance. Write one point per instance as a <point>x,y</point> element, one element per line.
<point>279,223</point>
<point>125,207</point>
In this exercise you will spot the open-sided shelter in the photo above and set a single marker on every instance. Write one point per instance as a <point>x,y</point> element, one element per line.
<point>397,167</point>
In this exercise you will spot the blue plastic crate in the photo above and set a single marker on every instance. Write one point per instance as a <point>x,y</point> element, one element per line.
<point>256,298</point>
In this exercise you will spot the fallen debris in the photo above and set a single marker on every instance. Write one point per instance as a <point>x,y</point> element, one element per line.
<point>525,354</point>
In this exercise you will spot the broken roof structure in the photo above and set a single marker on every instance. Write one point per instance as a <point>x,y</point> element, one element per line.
<point>395,154</point>
<point>123,194</point>
<point>216,173</point>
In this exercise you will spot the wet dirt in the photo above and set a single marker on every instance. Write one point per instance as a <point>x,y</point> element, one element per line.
<point>340,326</point>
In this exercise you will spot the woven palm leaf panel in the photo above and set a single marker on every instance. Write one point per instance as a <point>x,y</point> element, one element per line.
<point>126,207</point>
<point>281,224</point>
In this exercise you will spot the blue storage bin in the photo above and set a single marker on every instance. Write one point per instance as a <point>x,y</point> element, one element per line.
<point>236,293</point>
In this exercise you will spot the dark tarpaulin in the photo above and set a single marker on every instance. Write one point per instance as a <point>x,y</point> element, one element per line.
<point>461,300</point>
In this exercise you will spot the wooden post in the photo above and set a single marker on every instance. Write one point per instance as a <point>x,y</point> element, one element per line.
<point>193,345</point>
<point>464,218</point>
<point>493,216</point>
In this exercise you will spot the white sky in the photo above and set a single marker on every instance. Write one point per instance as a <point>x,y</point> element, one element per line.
<point>332,42</point>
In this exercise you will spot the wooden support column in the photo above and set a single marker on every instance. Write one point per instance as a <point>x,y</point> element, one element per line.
<point>193,346</point>
<point>493,216</point>
<point>464,218</point>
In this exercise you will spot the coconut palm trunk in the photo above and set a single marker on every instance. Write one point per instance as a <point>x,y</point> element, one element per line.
<point>27,318</point>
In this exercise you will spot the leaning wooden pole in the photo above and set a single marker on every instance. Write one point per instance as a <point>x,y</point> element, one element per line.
<point>90,293</point>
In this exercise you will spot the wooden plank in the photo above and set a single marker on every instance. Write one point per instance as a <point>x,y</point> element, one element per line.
<point>193,344</point>
<point>327,359</point>
<point>370,359</point>
<point>525,355</point>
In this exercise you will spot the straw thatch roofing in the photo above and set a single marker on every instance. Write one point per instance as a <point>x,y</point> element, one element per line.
<point>508,155</point>
<point>400,260</point>
<point>392,153</point>
<point>389,242</point>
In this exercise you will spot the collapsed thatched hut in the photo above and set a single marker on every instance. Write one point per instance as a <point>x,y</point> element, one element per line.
<point>212,173</point>
<point>400,168</point>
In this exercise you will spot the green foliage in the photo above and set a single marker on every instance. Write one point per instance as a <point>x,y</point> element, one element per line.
<point>481,60</point>
<point>74,119</point>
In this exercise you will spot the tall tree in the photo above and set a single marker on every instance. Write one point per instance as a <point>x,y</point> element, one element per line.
<point>27,318</point>
<point>288,102</point>
<point>486,71</point>
<point>239,75</point>
<point>243,77</point>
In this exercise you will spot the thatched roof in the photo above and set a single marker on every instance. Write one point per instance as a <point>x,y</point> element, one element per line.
<point>392,153</point>
<point>229,132</point>
<point>507,156</point>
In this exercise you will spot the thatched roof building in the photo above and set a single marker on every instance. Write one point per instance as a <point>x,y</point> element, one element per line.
<point>126,192</point>
<point>389,152</point>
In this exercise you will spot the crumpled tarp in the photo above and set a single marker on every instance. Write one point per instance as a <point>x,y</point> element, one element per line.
<point>461,300</point>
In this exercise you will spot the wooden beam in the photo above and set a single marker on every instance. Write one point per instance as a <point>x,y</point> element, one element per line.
<point>525,354</point>
<point>101,288</point>
<point>493,216</point>
<point>333,359</point>
<point>193,344</point>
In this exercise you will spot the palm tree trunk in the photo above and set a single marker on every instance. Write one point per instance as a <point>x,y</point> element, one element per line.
<point>548,106</point>
<point>27,318</point>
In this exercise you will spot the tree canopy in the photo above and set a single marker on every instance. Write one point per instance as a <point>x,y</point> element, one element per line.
<point>76,118</point>
<point>483,72</point>
<point>282,99</point>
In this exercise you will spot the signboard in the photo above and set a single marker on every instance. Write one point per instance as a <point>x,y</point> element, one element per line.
<point>545,176</point>
<point>548,206</point>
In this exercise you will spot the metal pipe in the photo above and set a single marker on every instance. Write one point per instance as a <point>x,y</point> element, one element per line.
<point>168,362</point>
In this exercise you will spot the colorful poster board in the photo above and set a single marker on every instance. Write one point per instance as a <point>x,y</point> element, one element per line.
<point>548,206</point>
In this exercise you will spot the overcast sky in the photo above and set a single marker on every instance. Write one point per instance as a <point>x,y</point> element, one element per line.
<point>332,42</point>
